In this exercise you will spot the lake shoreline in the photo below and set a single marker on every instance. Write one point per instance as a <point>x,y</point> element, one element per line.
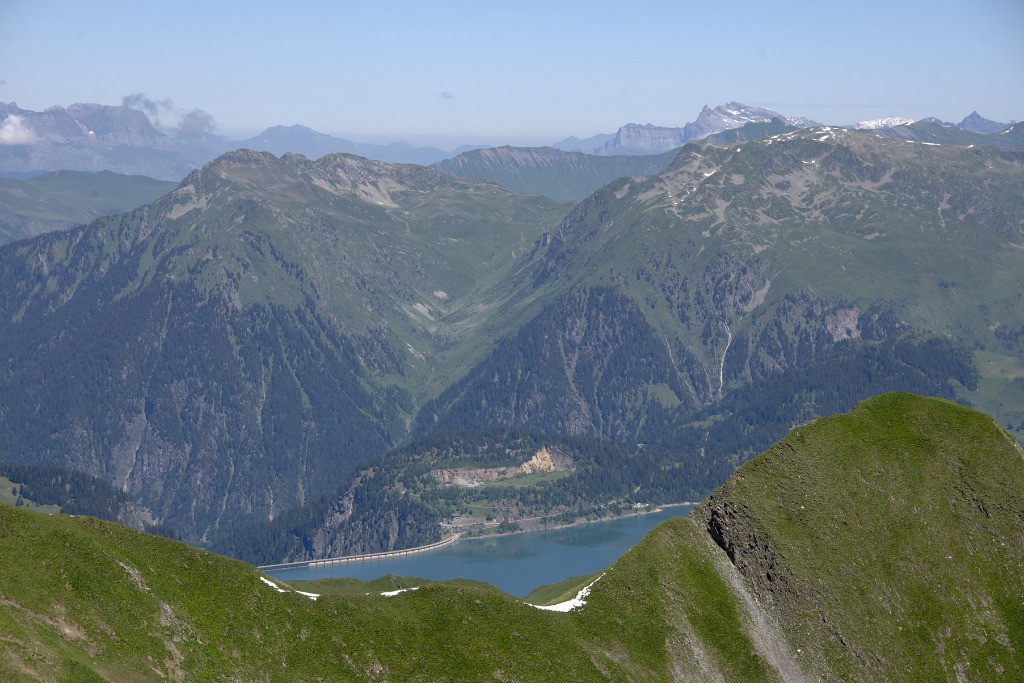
<point>635,512</point>
<point>461,536</point>
<point>515,563</point>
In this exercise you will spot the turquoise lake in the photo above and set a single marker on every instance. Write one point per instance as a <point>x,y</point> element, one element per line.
<point>517,563</point>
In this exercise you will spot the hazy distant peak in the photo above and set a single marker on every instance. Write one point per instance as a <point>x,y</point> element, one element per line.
<point>733,115</point>
<point>977,123</point>
<point>887,122</point>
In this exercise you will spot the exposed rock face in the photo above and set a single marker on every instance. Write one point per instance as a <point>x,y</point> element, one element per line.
<point>730,528</point>
<point>648,139</point>
<point>634,138</point>
<point>544,460</point>
<point>726,117</point>
<point>88,137</point>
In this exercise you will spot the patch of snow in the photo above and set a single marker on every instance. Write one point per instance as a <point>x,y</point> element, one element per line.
<point>887,122</point>
<point>311,596</point>
<point>391,594</point>
<point>570,605</point>
<point>414,352</point>
<point>423,310</point>
<point>272,584</point>
<point>441,294</point>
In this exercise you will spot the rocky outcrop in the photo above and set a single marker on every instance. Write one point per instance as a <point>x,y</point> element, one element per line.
<point>734,532</point>
<point>648,139</point>
<point>547,459</point>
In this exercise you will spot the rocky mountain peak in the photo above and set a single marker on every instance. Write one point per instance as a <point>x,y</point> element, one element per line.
<point>977,123</point>
<point>650,139</point>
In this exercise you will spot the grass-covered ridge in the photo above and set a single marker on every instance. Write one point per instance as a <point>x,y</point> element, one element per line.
<point>880,545</point>
<point>889,540</point>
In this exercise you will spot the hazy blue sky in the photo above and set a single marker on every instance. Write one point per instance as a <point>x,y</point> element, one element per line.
<point>525,71</point>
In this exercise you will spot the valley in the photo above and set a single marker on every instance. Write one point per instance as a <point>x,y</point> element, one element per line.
<point>293,346</point>
<point>282,359</point>
<point>511,342</point>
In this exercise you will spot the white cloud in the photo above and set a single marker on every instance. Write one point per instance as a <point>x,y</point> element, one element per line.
<point>14,131</point>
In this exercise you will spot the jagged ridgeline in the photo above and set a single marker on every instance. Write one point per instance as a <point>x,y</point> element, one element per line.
<point>879,545</point>
<point>238,345</point>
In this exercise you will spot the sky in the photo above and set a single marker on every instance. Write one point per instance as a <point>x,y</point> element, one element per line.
<point>527,72</point>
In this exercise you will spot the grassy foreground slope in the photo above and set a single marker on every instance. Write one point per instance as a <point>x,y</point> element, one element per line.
<point>881,545</point>
<point>889,541</point>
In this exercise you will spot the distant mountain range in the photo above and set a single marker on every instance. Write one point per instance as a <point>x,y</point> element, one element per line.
<point>86,137</point>
<point>935,132</point>
<point>637,139</point>
<point>573,176</point>
<point>302,140</point>
<point>95,137</point>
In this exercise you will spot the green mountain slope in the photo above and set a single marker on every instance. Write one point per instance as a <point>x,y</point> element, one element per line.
<point>880,545</point>
<point>236,347</point>
<point>788,260</point>
<point>560,175</point>
<point>247,341</point>
<point>58,200</point>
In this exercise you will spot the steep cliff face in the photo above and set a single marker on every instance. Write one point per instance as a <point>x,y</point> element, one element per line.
<point>635,139</point>
<point>88,137</point>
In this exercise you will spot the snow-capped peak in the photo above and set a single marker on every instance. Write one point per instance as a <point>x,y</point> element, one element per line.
<point>887,122</point>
